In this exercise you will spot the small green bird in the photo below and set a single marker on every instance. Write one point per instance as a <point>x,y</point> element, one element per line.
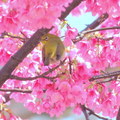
<point>53,48</point>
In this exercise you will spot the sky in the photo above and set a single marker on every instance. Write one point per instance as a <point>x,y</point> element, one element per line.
<point>80,22</point>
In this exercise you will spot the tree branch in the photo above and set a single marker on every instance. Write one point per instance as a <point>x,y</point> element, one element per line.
<point>12,36</point>
<point>82,34</point>
<point>16,90</point>
<point>109,80</point>
<point>31,78</point>
<point>118,115</point>
<point>105,39</point>
<point>101,29</point>
<point>84,111</point>
<point>92,113</point>
<point>107,75</point>
<point>70,65</point>
<point>18,57</point>
<point>97,22</point>
<point>7,97</point>
<point>54,68</point>
<point>40,76</point>
<point>68,9</point>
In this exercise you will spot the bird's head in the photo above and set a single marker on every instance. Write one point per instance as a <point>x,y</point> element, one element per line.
<point>47,37</point>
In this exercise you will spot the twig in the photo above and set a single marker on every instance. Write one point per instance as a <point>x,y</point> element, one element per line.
<point>110,79</point>
<point>82,34</point>
<point>16,90</point>
<point>105,39</point>
<point>91,112</point>
<point>93,25</point>
<point>18,57</point>
<point>31,78</point>
<point>70,65</point>
<point>97,22</point>
<point>12,36</point>
<point>101,29</point>
<point>51,70</point>
<point>7,97</point>
<point>24,35</point>
<point>84,111</point>
<point>42,75</point>
<point>107,75</point>
<point>118,115</point>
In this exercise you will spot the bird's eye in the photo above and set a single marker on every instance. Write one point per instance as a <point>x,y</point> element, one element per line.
<point>46,38</point>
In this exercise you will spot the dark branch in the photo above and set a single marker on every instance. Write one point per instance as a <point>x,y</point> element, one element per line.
<point>70,65</point>
<point>109,80</point>
<point>101,29</point>
<point>97,22</point>
<point>71,6</point>
<point>82,34</point>
<point>105,39</point>
<point>84,111</point>
<point>107,75</point>
<point>12,36</point>
<point>16,90</point>
<point>18,57</point>
<point>31,78</point>
<point>7,97</point>
<point>91,112</point>
<point>42,75</point>
<point>24,35</point>
<point>93,25</point>
<point>118,115</point>
<point>51,70</point>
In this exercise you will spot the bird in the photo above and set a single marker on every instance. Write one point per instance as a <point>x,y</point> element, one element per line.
<point>53,49</point>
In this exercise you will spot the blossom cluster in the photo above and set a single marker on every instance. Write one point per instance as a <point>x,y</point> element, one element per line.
<point>88,57</point>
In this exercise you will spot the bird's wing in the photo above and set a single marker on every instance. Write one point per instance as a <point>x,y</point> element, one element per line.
<point>43,54</point>
<point>45,57</point>
<point>59,51</point>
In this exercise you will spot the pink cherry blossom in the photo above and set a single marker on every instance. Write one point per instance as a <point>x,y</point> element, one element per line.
<point>89,57</point>
<point>70,35</point>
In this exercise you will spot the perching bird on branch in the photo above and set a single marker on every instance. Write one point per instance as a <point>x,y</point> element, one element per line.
<point>53,49</point>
